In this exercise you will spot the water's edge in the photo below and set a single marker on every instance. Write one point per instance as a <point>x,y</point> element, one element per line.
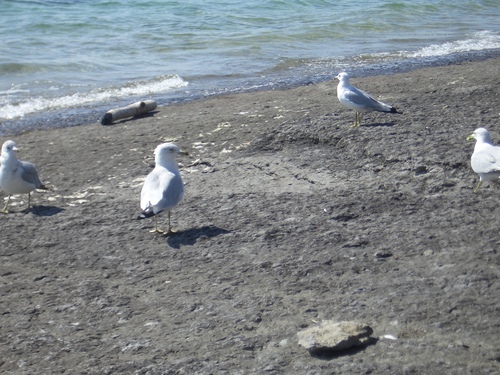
<point>93,114</point>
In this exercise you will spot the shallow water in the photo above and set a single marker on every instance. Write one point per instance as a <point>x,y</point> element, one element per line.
<point>63,62</point>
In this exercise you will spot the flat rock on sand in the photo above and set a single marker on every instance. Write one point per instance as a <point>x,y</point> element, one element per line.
<point>285,211</point>
<point>330,336</point>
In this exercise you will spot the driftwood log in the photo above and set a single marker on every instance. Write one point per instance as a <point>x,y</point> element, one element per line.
<point>131,110</point>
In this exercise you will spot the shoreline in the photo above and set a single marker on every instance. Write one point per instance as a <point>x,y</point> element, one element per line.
<point>72,117</point>
<point>290,217</point>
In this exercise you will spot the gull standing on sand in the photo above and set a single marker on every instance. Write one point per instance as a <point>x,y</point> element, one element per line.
<point>17,177</point>
<point>485,160</point>
<point>163,188</point>
<point>358,100</point>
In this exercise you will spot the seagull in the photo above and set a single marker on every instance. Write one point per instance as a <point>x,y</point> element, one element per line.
<point>17,177</point>
<point>163,188</point>
<point>359,100</point>
<point>485,160</point>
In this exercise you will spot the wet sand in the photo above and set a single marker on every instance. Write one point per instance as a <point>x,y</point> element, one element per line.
<point>290,217</point>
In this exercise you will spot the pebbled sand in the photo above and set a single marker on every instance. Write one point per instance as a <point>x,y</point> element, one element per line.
<point>290,217</point>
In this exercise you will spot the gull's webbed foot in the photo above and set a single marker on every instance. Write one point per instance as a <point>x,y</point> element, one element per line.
<point>169,232</point>
<point>164,233</point>
<point>156,230</point>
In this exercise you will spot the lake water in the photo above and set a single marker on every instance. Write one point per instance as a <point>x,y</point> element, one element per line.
<point>65,63</point>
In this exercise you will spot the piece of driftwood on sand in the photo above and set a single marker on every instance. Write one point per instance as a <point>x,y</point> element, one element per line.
<point>131,110</point>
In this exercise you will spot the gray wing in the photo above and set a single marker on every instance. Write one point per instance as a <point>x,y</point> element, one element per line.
<point>486,161</point>
<point>29,173</point>
<point>365,100</point>
<point>172,194</point>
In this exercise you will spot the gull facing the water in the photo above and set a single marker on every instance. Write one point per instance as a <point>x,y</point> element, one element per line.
<point>163,188</point>
<point>17,177</point>
<point>358,100</point>
<point>485,160</point>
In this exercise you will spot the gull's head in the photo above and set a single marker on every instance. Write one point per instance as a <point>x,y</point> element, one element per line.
<point>166,152</point>
<point>8,147</point>
<point>342,77</point>
<point>480,135</point>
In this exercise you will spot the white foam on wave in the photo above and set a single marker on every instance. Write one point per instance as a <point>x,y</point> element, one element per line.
<point>161,84</point>
<point>479,41</point>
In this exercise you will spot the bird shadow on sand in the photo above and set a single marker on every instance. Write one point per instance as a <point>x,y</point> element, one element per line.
<point>191,236</point>
<point>45,210</point>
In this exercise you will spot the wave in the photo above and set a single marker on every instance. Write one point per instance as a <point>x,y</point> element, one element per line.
<point>142,88</point>
<point>479,41</point>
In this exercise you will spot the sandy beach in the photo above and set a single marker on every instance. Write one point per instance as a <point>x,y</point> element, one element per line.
<point>290,217</point>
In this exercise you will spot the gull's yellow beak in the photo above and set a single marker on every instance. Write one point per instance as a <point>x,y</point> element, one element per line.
<point>184,153</point>
<point>470,137</point>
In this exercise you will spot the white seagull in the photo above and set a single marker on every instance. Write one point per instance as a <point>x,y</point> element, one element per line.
<point>17,177</point>
<point>485,160</point>
<point>163,188</point>
<point>359,100</point>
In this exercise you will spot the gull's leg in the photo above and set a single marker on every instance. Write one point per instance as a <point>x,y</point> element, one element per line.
<point>357,121</point>
<point>27,209</point>
<point>4,210</point>
<point>164,232</point>
<point>478,186</point>
<point>156,230</point>
<point>169,231</point>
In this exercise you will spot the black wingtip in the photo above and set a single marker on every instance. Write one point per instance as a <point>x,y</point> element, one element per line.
<point>145,215</point>
<point>394,110</point>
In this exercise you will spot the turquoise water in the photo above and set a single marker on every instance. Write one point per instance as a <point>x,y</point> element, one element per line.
<point>65,62</point>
